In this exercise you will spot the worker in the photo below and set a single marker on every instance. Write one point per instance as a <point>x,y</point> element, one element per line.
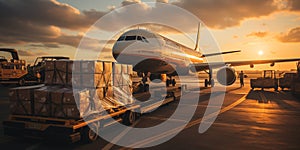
<point>145,81</point>
<point>241,76</point>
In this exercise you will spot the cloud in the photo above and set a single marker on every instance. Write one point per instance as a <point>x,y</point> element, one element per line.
<point>46,13</point>
<point>235,36</point>
<point>293,36</point>
<point>294,5</point>
<point>30,53</point>
<point>258,34</point>
<point>163,1</point>
<point>47,45</point>
<point>25,53</point>
<point>227,13</point>
<point>42,21</point>
<point>41,53</point>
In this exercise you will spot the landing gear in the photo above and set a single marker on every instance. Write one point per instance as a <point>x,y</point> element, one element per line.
<point>156,78</point>
<point>210,81</point>
<point>170,82</point>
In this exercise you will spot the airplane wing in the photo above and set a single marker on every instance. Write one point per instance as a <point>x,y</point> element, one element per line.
<point>212,65</point>
<point>214,54</point>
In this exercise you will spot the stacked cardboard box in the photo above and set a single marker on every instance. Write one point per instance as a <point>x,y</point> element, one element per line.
<point>78,74</point>
<point>74,88</point>
<point>60,102</point>
<point>22,100</point>
<point>68,103</point>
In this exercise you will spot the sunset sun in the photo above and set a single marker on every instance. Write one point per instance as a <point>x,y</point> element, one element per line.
<point>260,53</point>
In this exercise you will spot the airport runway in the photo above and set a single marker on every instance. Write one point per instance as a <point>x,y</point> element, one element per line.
<point>247,120</point>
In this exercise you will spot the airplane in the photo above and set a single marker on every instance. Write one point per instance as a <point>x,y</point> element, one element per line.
<point>150,52</point>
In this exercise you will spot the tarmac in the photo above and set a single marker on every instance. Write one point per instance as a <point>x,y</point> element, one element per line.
<point>248,119</point>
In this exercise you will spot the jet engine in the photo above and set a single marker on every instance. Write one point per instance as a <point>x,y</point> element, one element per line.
<point>226,76</point>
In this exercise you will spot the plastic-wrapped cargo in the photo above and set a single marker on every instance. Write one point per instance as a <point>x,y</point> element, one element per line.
<point>22,100</point>
<point>67,103</point>
<point>102,98</point>
<point>122,83</point>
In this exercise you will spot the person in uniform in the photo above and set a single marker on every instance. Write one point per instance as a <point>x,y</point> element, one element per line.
<point>241,76</point>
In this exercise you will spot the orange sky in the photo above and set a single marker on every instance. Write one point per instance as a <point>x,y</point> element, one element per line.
<point>55,27</point>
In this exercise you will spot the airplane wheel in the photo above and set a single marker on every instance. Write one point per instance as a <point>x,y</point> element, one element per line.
<point>146,87</point>
<point>212,83</point>
<point>21,82</point>
<point>168,83</point>
<point>173,82</point>
<point>129,118</point>
<point>206,83</point>
<point>88,134</point>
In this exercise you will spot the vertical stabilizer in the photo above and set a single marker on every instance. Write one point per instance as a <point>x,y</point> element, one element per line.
<point>198,37</point>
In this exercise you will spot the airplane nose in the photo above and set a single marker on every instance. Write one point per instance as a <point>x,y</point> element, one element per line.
<point>117,49</point>
<point>120,47</point>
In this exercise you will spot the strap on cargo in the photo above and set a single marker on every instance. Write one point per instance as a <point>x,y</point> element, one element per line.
<point>19,102</point>
<point>48,97</point>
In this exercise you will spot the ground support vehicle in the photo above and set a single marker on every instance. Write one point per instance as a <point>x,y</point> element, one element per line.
<point>287,80</point>
<point>268,80</point>
<point>12,70</point>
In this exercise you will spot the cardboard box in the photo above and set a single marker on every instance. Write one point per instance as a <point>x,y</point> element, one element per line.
<point>43,100</point>
<point>61,102</point>
<point>22,100</point>
<point>79,74</point>
<point>89,67</point>
<point>117,68</point>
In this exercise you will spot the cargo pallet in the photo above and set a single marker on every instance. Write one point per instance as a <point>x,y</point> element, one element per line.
<point>71,130</point>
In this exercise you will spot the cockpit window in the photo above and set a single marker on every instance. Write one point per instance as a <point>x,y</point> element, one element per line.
<point>122,38</point>
<point>145,39</point>
<point>133,38</point>
<point>130,38</point>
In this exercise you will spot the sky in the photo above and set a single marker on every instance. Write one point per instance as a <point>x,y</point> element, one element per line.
<point>262,29</point>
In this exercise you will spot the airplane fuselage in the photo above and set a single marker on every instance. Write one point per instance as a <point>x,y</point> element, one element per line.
<point>150,52</point>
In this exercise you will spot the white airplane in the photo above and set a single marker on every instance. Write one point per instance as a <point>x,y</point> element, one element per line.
<point>152,53</point>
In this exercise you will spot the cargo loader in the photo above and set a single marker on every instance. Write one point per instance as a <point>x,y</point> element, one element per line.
<point>268,80</point>
<point>79,96</point>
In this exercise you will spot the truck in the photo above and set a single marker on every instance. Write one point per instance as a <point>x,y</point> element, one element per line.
<point>268,80</point>
<point>49,111</point>
<point>15,71</point>
<point>287,80</point>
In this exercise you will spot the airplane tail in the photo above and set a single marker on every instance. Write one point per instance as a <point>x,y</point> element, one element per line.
<point>198,37</point>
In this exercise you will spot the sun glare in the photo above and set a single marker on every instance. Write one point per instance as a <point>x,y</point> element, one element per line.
<point>260,53</point>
